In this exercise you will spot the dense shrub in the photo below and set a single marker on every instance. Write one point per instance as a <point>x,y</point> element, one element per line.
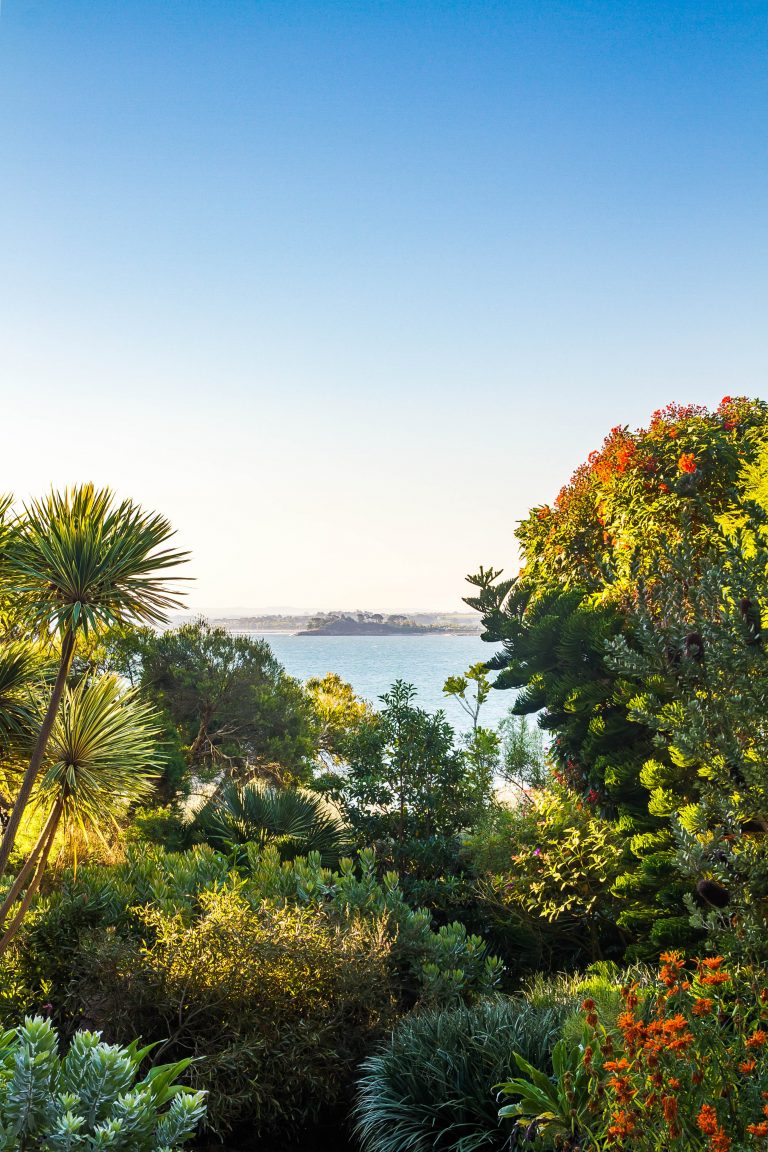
<point>281,1004</point>
<point>430,1086</point>
<point>91,1098</point>
<point>282,973</point>
<point>549,866</point>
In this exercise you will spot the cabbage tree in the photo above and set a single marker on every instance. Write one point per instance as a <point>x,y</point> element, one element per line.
<point>77,562</point>
<point>101,758</point>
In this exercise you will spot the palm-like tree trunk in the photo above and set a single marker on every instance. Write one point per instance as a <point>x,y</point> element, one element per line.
<point>28,783</point>
<point>42,851</point>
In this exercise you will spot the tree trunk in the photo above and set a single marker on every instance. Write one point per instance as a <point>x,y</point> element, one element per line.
<point>28,866</point>
<point>15,924</point>
<point>30,776</point>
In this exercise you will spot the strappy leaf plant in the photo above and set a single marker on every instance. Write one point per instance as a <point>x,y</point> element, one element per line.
<point>77,562</point>
<point>101,759</point>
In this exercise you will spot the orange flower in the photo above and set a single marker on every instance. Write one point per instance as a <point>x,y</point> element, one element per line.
<point>702,1006</point>
<point>622,1088</point>
<point>760,1129</point>
<point>720,1142</point>
<point>710,962</point>
<point>747,1066</point>
<point>715,978</point>
<point>623,1125</point>
<point>687,462</point>
<point>757,1039</point>
<point>707,1120</point>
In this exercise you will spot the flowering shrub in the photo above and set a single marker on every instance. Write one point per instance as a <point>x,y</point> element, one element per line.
<point>638,489</point>
<point>686,1066</point>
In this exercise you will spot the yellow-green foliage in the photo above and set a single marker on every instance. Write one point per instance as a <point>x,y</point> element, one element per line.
<point>279,1005</point>
<point>555,860</point>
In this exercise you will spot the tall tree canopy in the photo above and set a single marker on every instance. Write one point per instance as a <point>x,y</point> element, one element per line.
<point>692,480</point>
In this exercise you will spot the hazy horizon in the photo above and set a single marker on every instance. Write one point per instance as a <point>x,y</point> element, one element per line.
<point>344,290</point>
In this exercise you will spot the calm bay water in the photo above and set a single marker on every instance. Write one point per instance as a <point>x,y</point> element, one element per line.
<point>372,663</point>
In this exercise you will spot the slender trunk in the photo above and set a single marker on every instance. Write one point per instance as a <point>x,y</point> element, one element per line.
<point>28,783</point>
<point>197,745</point>
<point>15,924</point>
<point>28,866</point>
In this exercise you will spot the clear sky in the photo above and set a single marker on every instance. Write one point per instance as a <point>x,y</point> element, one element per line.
<point>344,287</point>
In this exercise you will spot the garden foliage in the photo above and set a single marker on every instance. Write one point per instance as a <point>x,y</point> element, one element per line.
<point>91,1098</point>
<point>282,973</point>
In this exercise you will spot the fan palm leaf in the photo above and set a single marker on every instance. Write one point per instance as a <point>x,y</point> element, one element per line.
<point>295,820</point>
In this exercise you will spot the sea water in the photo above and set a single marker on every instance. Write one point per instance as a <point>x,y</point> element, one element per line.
<point>371,664</point>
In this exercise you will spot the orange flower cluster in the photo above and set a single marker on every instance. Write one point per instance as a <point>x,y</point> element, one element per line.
<point>687,462</point>
<point>615,457</point>
<point>681,1060</point>
<point>709,1126</point>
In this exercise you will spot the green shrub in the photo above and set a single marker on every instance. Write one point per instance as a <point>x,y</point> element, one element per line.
<point>424,964</point>
<point>186,949</point>
<point>91,1098</point>
<point>429,1087</point>
<point>281,1003</point>
<point>551,865</point>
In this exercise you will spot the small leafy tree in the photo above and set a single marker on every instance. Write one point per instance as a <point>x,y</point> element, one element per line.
<point>338,711</point>
<point>522,759</point>
<point>230,700</point>
<point>406,785</point>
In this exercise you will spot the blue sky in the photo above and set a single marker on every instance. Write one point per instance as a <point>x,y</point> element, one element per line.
<point>344,288</point>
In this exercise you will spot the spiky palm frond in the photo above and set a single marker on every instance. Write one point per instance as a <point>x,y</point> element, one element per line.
<point>296,821</point>
<point>78,559</point>
<point>102,754</point>
<point>22,668</point>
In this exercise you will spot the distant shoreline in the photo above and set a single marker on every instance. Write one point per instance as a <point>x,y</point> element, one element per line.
<point>345,635</point>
